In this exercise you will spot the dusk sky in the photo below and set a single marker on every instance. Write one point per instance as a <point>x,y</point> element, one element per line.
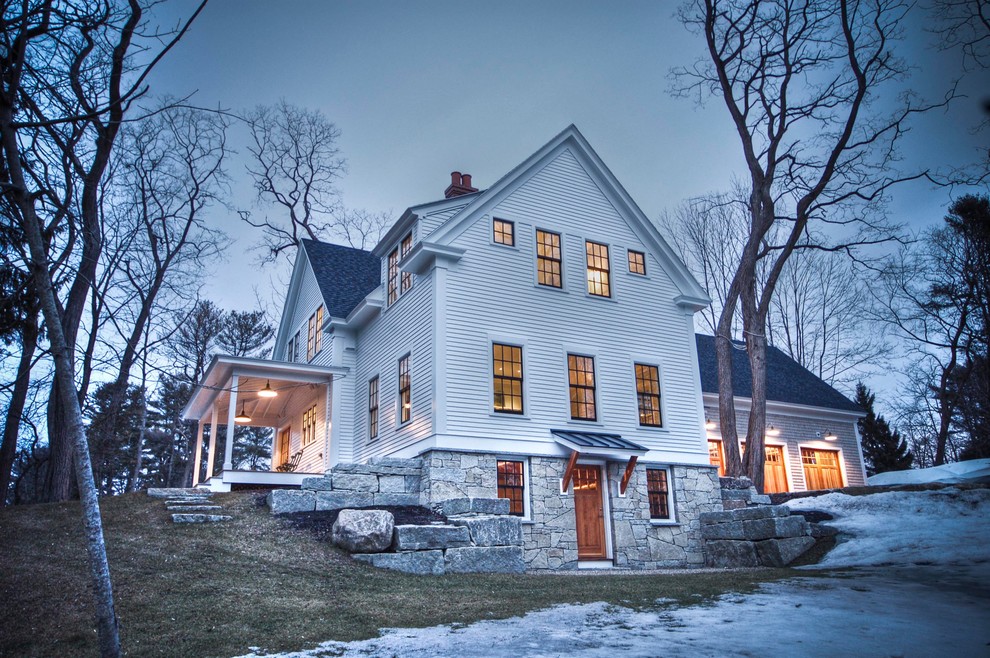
<point>421,89</point>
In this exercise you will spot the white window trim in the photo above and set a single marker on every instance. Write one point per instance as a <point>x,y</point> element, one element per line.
<point>822,445</point>
<point>599,412</point>
<point>563,258</point>
<point>613,291</point>
<point>515,232</point>
<point>527,516</point>
<point>367,415</point>
<point>515,341</point>
<point>671,499</point>
<point>399,423</point>
<point>664,418</point>
<point>646,265</point>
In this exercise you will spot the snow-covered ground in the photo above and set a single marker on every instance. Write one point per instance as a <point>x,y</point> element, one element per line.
<point>973,470</point>
<point>931,599</point>
<point>946,526</point>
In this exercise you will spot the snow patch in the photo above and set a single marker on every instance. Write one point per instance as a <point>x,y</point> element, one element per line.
<point>973,470</point>
<point>948,526</point>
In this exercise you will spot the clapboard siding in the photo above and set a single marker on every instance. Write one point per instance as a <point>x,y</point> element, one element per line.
<point>804,429</point>
<point>297,319</point>
<point>312,457</point>
<point>405,327</point>
<point>431,221</point>
<point>492,293</point>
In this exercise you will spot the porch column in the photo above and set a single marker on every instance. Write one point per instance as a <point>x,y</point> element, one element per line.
<point>213,441</point>
<point>198,461</point>
<point>228,455</point>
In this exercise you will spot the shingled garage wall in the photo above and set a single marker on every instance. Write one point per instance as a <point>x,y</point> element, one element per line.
<point>549,535</point>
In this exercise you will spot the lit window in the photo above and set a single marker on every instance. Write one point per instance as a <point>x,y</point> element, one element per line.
<point>309,426</point>
<point>405,390</point>
<point>511,485</point>
<point>507,380</point>
<point>548,259</point>
<point>373,408</point>
<point>581,377</point>
<point>393,276</point>
<point>314,335</point>
<point>318,342</point>
<point>290,349</point>
<point>648,395</point>
<point>658,492</point>
<point>406,276</point>
<point>637,262</point>
<point>598,283</point>
<point>504,232</point>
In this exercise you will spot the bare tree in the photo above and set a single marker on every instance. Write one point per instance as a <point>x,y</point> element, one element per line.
<point>68,80</point>
<point>964,25</point>
<point>295,165</point>
<point>800,81</point>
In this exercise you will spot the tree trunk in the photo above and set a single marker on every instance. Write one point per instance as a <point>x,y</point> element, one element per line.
<point>62,354</point>
<point>18,396</point>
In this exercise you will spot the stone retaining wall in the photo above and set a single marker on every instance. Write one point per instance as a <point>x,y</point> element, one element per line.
<point>754,536</point>
<point>480,537</point>
<point>381,482</point>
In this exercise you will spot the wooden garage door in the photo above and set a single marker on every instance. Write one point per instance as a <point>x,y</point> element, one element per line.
<point>774,475</point>
<point>821,469</point>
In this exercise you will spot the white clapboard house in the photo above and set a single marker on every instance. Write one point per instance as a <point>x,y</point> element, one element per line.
<point>532,341</point>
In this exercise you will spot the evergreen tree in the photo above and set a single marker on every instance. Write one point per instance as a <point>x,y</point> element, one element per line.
<point>883,448</point>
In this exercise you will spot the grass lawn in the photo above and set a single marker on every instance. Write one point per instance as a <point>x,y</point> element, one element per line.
<point>215,590</point>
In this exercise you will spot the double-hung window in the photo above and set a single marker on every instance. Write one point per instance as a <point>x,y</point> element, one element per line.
<point>309,426</point>
<point>511,485</point>
<point>598,269</point>
<point>404,250</point>
<point>373,408</point>
<point>648,395</point>
<point>291,350</point>
<point>314,335</point>
<point>507,378</point>
<point>658,490</point>
<point>393,276</point>
<point>405,390</point>
<point>548,259</point>
<point>581,381</point>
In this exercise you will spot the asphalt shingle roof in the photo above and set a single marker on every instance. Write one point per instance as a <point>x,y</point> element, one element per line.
<point>345,275</point>
<point>787,380</point>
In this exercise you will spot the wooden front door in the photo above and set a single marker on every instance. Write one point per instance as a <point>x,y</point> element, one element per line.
<point>774,475</point>
<point>821,469</point>
<point>715,456</point>
<point>589,513</point>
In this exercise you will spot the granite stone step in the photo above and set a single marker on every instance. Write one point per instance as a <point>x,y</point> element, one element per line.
<point>200,518</point>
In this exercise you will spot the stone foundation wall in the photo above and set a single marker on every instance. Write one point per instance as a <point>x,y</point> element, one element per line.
<point>384,482</point>
<point>549,535</point>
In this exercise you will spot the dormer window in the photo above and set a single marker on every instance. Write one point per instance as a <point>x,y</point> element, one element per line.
<point>405,248</point>
<point>398,284</point>
<point>393,276</point>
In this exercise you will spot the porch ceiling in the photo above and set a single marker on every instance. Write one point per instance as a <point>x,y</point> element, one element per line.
<point>290,380</point>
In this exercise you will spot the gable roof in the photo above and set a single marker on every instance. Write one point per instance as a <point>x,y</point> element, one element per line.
<point>787,380</point>
<point>345,275</point>
<point>692,294</point>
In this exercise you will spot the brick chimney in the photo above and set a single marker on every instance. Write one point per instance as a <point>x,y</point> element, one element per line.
<point>459,184</point>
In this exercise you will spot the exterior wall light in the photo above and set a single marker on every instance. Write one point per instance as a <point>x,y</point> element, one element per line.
<point>773,431</point>
<point>830,436</point>
<point>710,424</point>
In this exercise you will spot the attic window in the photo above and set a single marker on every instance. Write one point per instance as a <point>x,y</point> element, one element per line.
<point>637,262</point>
<point>598,269</point>
<point>548,259</point>
<point>504,232</point>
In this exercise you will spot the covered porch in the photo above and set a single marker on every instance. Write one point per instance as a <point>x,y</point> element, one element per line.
<point>290,400</point>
